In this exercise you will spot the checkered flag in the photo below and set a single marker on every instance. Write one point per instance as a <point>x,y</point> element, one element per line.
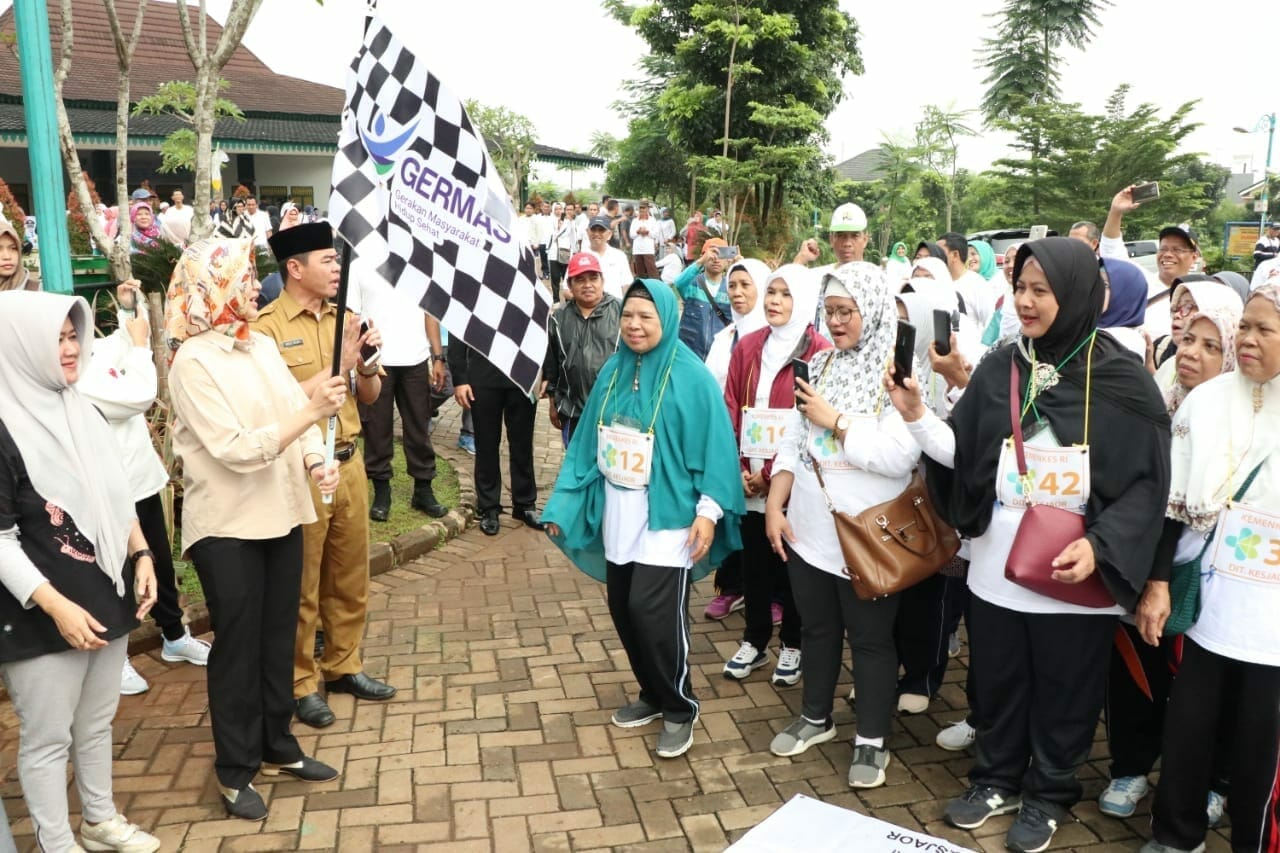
<point>414,194</point>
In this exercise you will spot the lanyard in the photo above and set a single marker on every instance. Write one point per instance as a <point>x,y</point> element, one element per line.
<point>662,390</point>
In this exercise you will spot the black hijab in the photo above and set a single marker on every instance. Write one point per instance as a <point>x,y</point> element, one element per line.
<point>1128,430</point>
<point>935,251</point>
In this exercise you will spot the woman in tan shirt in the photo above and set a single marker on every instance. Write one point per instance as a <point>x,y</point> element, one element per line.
<point>246,436</point>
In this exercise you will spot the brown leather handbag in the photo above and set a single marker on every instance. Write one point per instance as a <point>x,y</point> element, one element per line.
<point>894,545</point>
<point>1043,533</point>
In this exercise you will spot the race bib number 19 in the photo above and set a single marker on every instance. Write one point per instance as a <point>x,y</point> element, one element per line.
<point>624,456</point>
<point>762,431</point>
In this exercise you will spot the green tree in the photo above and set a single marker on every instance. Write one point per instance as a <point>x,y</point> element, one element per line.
<point>938,136</point>
<point>510,138</point>
<point>1022,60</point>
<point>177,98</point>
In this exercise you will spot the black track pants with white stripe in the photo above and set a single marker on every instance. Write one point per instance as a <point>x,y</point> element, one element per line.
<point>649,606</point>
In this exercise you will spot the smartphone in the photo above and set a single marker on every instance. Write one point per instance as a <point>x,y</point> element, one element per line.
<point>942,332</point>
<point>904,352</point>
<point>1038,232</point>
<point>800,368</point>
<point>368,354</point>
<point>726,253</point>
<point>1146,192</point>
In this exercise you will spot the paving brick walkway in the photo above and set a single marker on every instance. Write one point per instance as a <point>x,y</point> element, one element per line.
<point>499,739</point>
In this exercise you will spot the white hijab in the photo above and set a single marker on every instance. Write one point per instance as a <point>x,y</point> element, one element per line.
<point>804,285</point>
<point>67,446</point>
<point>753,320</point>
<point>940,290</point>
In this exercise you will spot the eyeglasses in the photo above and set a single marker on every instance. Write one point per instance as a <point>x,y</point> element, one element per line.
<point>1175,250</point>
<point>1182,309</point>
<point>840,315</point>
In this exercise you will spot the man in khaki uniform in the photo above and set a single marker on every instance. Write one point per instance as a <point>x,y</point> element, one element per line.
<point>335,549</point>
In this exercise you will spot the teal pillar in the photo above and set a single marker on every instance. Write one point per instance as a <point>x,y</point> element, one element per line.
<point>48,193</point>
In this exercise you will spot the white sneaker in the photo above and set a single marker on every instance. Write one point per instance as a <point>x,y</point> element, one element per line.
<point>131,684</point>
<point>913,703</point>
<point>118,834</point>
<point>1214,808</point>
<point>953,646</point>
<point>186,649</point>
<point>957,737</point>
<point>746,660</point>
<point>787,672</point>
<point>1121,796</point>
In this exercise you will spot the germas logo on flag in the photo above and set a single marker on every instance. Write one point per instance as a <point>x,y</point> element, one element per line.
<point>381,149</point>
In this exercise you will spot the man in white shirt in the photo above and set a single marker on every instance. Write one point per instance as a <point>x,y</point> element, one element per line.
<point>261,222</point>
<point>978,296</point>
<point>178,218</point>
<point>583,222</point>
<point>1178,253</point>
<point>715,224</point>
<point>408,360</point>
<point>645,232</point>
<point>613,262</point>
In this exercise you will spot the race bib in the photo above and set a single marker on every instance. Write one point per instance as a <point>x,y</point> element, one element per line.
<point>624,455</point>
<point>1056,476</point>
<point>825,449</point>
<point>762,431</point>
<point>1246,546</point>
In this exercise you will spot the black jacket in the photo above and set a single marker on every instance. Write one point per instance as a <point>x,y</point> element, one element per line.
<point>578,347</point>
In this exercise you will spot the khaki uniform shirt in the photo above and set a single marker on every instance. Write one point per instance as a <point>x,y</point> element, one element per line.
<point>305,342</point>
<point>228,404</point>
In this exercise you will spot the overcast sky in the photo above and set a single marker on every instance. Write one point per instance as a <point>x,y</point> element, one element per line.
<point>559,63</point>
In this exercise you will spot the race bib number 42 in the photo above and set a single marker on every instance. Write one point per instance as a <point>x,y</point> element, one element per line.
<point>1056,476</point>
<point>1247,545</point>
<point>624,456</point>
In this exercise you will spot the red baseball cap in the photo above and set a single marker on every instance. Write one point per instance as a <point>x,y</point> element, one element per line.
<point>583,262</point>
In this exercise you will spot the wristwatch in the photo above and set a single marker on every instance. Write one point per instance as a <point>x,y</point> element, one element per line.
<point>843,422</point>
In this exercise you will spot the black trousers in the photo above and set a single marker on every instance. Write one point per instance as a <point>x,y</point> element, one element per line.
<point>252,588</point>
<point>1211,692</point>
<point>491,408</point>
<point>728,576</point>
<point>409,390</point>
<point>929,614</point>
<point>445,394</point>
<point>167,612</point>
<point>649,606</point>
<point>830,611</point>
<point>1037,682</point>
<point>764,578</point>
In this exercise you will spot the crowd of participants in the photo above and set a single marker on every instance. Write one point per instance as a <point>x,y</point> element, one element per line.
<point>714,413</point>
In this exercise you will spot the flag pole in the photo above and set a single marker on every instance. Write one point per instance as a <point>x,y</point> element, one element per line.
<point>344,279</point>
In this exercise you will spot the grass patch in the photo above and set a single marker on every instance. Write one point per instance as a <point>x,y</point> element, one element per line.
<point>403,517</point>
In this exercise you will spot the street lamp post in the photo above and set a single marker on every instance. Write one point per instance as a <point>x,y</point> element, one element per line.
<point>1269,122</point>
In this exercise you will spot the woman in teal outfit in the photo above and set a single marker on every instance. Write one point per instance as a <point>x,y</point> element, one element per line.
<point>650,494</point>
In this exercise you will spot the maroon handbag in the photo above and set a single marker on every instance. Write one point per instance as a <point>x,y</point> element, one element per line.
<point>1042,534</point>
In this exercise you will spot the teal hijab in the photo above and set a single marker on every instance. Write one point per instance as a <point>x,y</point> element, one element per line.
<point>693,449</point>
<point>894,256</point>
<point>986,259</point>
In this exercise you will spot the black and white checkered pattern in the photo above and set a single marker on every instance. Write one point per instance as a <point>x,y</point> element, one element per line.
<point>485,294</point>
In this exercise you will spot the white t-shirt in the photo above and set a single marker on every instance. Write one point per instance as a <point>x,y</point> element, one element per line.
<point>626,533</point>
<point>644,244</point>
<point>978,295</point>
<point>394,313</point>
<point>261,226</point>
<point>615,269</point>
<point>180,217</point>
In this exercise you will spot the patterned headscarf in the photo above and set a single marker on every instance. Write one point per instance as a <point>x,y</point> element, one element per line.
<point>1225,316</point>
<point>853,380</point>
<point>210,291</point>
<point>144,238</point>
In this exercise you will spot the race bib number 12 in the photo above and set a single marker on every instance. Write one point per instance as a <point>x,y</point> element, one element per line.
<point>624,456</point>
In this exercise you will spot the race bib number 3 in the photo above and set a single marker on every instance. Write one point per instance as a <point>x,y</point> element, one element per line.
<point>1247,545</point>
<point>624,456</point>
<point>1056,476</point>
<point>762,431</point>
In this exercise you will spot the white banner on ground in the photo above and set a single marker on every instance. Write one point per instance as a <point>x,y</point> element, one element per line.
<point>806,825</point>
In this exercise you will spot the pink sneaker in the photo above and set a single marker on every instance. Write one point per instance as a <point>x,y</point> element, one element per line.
<point>722,605</point>
<point>776,610</point>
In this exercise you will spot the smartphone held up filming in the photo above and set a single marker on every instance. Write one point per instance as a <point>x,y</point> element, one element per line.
<point>1145,192</point>
<point>800,368</point>
<point>904,351</point>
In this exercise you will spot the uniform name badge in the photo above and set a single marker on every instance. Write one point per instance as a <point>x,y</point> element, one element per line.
<point>624,455</point>
<point>762,431</point>
<point>1246,546</point>
<point>1056,476</point>
<point>824,448</point>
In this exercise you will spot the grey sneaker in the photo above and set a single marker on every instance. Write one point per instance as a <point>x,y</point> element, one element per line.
<point>971,809</point>
<point>1033,830</point>
<point>1154,846</point>
<point>638,713</point>
<point>675,738</point>
<point>801,735</point>
<point>869,763</point>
